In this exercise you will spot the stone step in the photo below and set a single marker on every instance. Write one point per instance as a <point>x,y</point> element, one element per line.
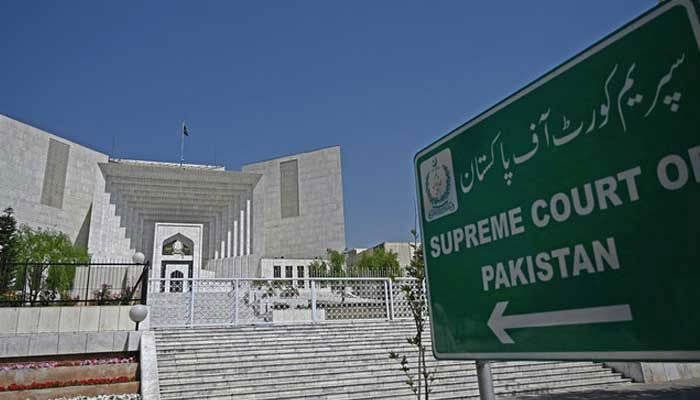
<point>469,391</point>
<point>321,332</point>
<point>285,357</point>
<point>308,363</point>
<point>374,385</point>
<point>215,369</point>
<point>373,369</point>
<point>284,325</point>
<point>270,326</point>
<point>303,361</point>
<point>313,338</point>
<point>376,367</point>
<point>288,342</point>
<point>282,350</point>
<point>337,360</point>
<point>289,351</point>
<point>454,391</point>
<point>194,344</point>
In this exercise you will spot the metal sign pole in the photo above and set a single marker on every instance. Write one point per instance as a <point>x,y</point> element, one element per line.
<point>483,373</point>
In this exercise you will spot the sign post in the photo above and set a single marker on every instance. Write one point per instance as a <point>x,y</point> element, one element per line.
<point>564,222</point>
<point>485,378</point>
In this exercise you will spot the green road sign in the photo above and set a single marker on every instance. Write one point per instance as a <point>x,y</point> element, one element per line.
<point>563,223</point>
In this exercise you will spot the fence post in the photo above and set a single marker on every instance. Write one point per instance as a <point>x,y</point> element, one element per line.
<point>386,299</point>
<point>425,297</point>
<point>235,310</point>
<point>146,274</point>
<point>26,283</point>
<point>192,289</point>
<point>391,299</point>
<point>313,300</point>
<point>87,285</point>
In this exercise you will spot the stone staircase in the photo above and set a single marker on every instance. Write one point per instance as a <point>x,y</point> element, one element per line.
<point>339,360</point>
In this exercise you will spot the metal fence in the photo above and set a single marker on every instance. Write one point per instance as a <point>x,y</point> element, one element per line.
<point>354,272</point>
<point>43,284</point>
<point>226,302</point>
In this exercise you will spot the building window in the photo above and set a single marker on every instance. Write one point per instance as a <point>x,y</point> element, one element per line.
<point>276,271</point>
<point>300,275</point>
<point>288,271</point>
<point>289,188</point>
<point>176,281</point>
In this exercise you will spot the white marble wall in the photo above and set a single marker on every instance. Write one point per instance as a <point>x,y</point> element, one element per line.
<point>40,320</point>
<point>321,221</point>
<point>234,267</point>
<point>23,152</point>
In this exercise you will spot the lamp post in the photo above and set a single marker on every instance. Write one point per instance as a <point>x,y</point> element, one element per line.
<point>138,258</point>
<point>138,313</point>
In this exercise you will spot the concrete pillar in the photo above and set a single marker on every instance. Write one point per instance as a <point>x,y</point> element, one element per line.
<point>242,223</point>
<point>217,236</point>
<point>235,238</point>
<point>228,243</point>
<point>247,226</point>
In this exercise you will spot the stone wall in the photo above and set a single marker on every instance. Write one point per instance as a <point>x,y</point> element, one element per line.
<point>34,331</point>
<point>70,319</point>
<point>321,221</point>
<point>57,194</point>
<point>233,267</point>
<point>655,372</point>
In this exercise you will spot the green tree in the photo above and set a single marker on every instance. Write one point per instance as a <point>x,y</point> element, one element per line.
<point>415,295</point>
<point>8,250</point>
<point>318,269</point>
<point>379,262</point>
<point>38,249</point>
<point>336,261</point>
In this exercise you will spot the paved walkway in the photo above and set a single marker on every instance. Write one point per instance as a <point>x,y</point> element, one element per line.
<point>678,390</point>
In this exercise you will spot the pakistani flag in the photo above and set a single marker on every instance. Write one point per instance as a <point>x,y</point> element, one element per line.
<point>184,129</point>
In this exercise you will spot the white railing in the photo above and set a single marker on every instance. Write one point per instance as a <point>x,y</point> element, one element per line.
<point>239,301</point>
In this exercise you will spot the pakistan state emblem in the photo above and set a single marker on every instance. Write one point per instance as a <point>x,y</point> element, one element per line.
<point>439,195</point>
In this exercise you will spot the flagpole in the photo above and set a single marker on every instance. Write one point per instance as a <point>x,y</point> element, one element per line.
<point>182,144</point>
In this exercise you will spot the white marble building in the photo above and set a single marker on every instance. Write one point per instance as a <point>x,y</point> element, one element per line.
<point>226,221</point>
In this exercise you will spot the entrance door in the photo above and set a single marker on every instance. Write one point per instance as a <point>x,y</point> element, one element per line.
<point>176,276</point>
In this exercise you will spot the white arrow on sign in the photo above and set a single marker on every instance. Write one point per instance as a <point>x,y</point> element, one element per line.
<point>593,315</point>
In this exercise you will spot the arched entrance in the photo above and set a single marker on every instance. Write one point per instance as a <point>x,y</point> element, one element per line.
<point>176,263</point>
<point>177,255</point>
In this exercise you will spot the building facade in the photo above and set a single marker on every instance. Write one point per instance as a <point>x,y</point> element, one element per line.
<point>223,223</point>
<point>403,251</point>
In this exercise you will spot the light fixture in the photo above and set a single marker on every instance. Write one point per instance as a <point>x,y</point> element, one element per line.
<point>138,313</point>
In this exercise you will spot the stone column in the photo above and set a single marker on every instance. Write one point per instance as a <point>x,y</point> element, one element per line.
<point>235,238</point>
<point>247,225</point>
<point>242,224</point>
<point>229,220</point>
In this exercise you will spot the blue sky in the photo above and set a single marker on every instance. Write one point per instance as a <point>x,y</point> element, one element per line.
<point>257,80</point>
